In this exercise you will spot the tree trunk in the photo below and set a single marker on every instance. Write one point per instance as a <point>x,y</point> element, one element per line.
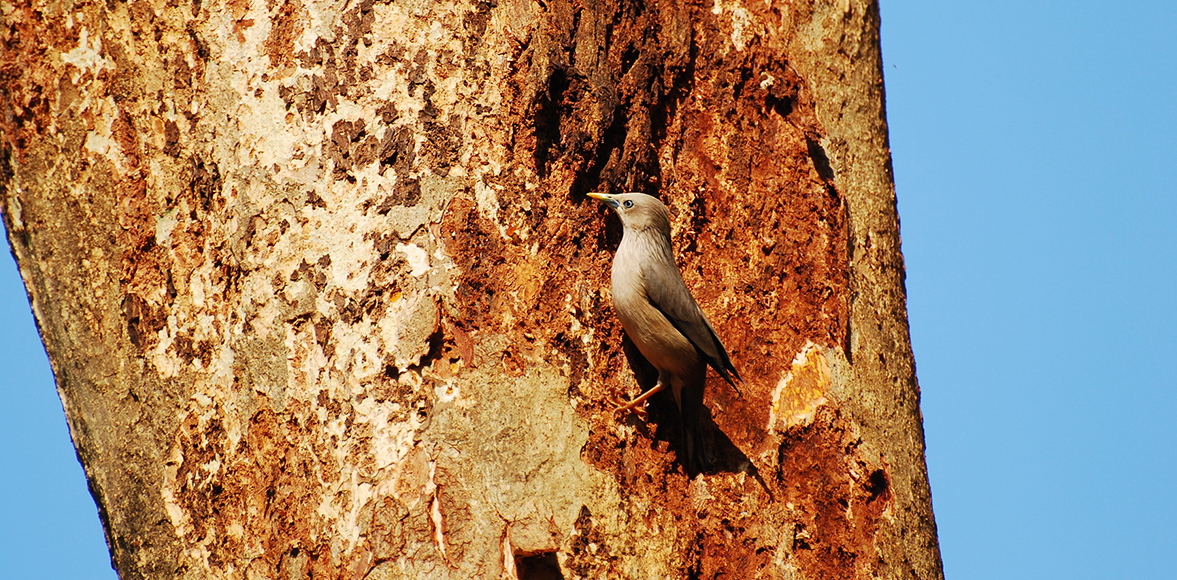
<point>324,295</point>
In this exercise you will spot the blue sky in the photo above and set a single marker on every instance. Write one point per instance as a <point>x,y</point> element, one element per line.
<point>1036,167</point>
<point>1036,174</point>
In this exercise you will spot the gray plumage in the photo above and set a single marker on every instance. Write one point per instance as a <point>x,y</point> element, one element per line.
<point>660,315</point>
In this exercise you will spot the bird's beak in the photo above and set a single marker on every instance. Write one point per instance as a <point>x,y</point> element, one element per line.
<point>609,199</point>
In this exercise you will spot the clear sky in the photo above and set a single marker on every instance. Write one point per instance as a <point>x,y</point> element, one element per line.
<point>1036,166</point>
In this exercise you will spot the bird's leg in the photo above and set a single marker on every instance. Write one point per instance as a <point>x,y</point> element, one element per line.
<point>641,398</point>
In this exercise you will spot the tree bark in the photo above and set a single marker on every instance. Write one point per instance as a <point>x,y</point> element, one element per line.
<point>324,296</point>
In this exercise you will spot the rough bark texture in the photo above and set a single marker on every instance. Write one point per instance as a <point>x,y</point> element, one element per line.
<point>325,298</point>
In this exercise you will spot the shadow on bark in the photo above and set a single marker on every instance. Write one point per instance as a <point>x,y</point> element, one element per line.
<point>720,453</point>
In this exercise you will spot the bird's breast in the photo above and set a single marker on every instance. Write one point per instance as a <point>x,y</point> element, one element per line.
<point>655,337</point>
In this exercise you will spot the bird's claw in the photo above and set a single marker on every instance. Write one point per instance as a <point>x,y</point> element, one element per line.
<point>635,407</point>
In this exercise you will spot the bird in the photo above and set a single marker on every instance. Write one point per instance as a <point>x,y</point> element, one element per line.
<point>661,317</point>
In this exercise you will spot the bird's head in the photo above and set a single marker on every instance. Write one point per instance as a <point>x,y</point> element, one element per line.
<point>637,211</point>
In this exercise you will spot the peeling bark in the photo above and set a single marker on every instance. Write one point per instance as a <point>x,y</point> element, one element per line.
<point>324,296</point>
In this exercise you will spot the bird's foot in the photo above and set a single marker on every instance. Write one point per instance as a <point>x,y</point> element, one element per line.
<point>636,407</point>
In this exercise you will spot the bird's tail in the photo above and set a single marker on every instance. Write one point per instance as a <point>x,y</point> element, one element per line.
<point>695,457</point>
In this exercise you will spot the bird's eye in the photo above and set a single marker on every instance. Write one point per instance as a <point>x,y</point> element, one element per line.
<point>627,203</point>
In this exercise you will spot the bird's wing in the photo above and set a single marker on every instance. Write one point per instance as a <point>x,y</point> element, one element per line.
<point>667,292</point>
